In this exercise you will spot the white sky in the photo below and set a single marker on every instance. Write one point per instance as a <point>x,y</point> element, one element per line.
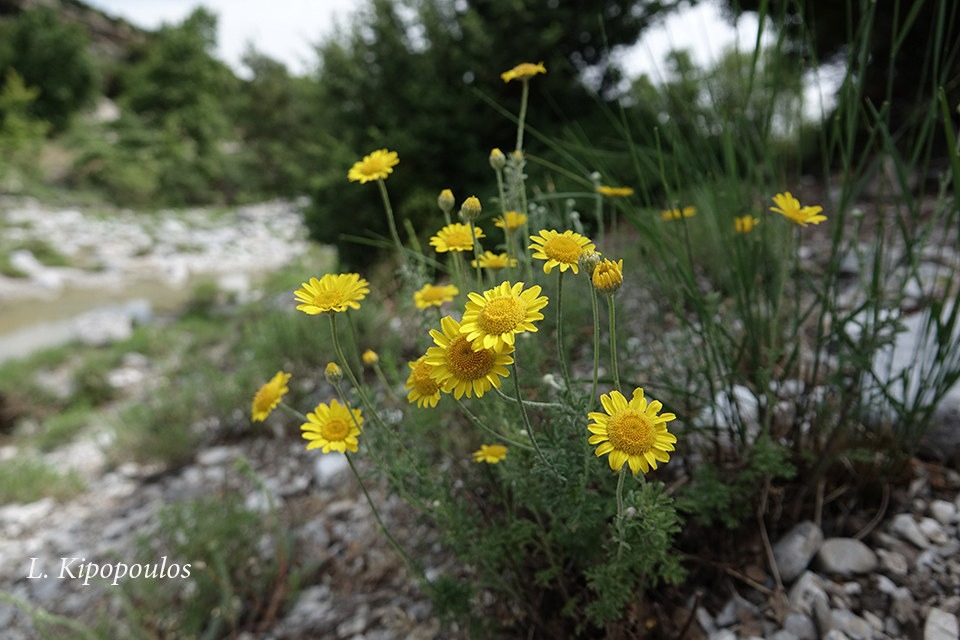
<point>287,29</point>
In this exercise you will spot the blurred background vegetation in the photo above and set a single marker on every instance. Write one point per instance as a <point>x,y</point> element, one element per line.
<point>153,119</point>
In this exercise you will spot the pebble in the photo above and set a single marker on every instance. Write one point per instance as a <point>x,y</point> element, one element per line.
<point>940,625</point>
<point>846,557</point>
<point>943,512</point>
<point>904,526</point>
<point>794,551</point>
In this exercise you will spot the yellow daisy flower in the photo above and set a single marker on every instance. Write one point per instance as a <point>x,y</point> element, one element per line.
<point>510,221</point>
<point>332,427</point>
<point>269,395</point>
<point>376,166</point>
<point>434,295</point>
<point>615,192</point>
<point>745,224</point>
<point>424,390</point>
<point>608,276</point>
<point>631,432</point>
<point>560,249</point>
<point>491,260</point>
<point>490,453</point>
<point>676,214</point>
<point>790,207</point>
<point>492,320</point>
<point>458,369</point>
<point>331,293</point>
<point>455,237</point>
<point>523,71</point>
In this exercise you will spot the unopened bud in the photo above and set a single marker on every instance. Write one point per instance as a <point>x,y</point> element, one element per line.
<point>588,261</point>
<point>608,276</point>
<point>370,357</point>
<point>445,201</point>
<point>497,160</point>
<point>333,373</point>
<point>470,209</point>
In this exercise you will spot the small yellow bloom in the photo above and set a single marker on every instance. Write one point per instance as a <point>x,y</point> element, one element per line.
<point>424,390</point>
<point>790,207</point>
<point>510,221</point>
<point>370,357</point>
<point>376,166</point>
<point>497,160</point>
<point>470,209</point>
<point>523,71</point>
<point>745,224</point>
<point>269,395</point>
<point>633,433</point>
<point>676,214</point>
<point>460,369</point>
<point>445,201</point>
<point>493,261</point>
<point>608,276</point>
<point>434,295</point>
<point>492,320</point>
<point>333,373</point>
<point>455,237</point>
<point>331,293</point>
<point>490,453</point>
<point>560,249</point>
<point>332,427</point>
<point>615,192</point>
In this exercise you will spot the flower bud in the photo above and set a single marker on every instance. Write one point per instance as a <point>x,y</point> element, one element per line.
<point>333,373</point>
<point>608,276</point>
<point>588,261</point>
<point>370,357</point>
<point>497,160</point>
<point>445,201</point>
<point>470,209</point>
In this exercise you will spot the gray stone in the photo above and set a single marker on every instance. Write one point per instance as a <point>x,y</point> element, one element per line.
<point>851,624</point>
<point>807,590</point>
<point>705,620</point>
<point>329,470</point>
<point>783,634</point>
<point>904,526</point>
<point>893,563</point>
<point>943,512</point>
<point>723,634</point>
<point>940,625</point>
<point>835,634</point>
<point>846,557</point>
<point>933,531</point>
<point>903,607</point>
<point>795,549</point>
<point>801,626</point>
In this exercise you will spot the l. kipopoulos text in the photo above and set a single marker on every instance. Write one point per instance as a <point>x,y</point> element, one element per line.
<point>77,568</point>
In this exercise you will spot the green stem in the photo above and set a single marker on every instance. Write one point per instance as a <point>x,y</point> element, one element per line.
<point>613,342</point>
<point>526,419</point>
<point>596,345</point>
<point>390,219</point>
<point>599,201</point>
<point>477,421</point>
<point>621,542</point>
<point>523,113</point>
<point>345,365</point>
<point>476,253</point>
<point>533,403</point>
<point>563,358</point>
<point>383,380</point>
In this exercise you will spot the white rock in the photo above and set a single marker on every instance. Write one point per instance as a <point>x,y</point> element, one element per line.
<point>893,563</point>
<point>933,531</point>
<point>852,625</point>
<point>940,625</point>
<point>795,549</point>
<point>904,526</point>
<point>805,592</point>
<point>943,512</point>
<point>846,557</point>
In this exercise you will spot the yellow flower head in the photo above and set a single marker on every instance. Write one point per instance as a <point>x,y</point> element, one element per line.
<point>608,276</point>
<point>633,432</point>
<point>424,390</point>
<point>790,207</point>
<point>434,295</point>
<point>445,201</point>
<point>492,321</point>
<point>370,357</point>
<point>490,453</point>
<point>455,237</point>
<point>269,395</point>
<point>615,192</point>
<point>333,373</point>
<point>458,369</point>
<point>333,427</point>
<point>376,166</point>
<point>493,261</point>
<point>510,221</point>
<point>523,71</point>
<point>560,249</point>
<point>331,293</point>
<point>676,214</point>
<point>745,224</point>
<point>470,209</point>
<point>497,160</point>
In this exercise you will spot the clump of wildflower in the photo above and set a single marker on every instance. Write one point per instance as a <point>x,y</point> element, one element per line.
<point>560,249</point>
<point>608,276</point>
<point>745,224</point>
<point>588,261</point>
<point>523,71</point>
<point>676,214</point>
<point>470,209</point>
<point>455,237</point>
<point>490,453</point>
<point>269,395</point>
<point>790,207</point>
<point>370,357</point>
<point>492,320</point>
<point>332,293</point>
<point>614,192</point>
<point>333,373</point>
<point>458,368</point>
<point>510,221</point>
<point>376,166</point>
<point>434,295</point>
<point>497,160</point>
<point>494,261</point>
<point>445,201</point>
<point>633,433</point>
<point>424,390</point>
<point>332,427</point>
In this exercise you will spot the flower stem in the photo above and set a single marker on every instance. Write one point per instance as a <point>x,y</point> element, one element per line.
<point>621,543</point>
<point>613,342</point>
<point>480,423</point>
<point>476,253</point>
<point>526,420</point>
<point>523,113</point>
<point>563,358</point>
<point>390,219</point>
<point>596,345</point>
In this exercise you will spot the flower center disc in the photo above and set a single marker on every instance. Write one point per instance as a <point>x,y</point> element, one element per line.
<point>335,429</point>
<point>563,249</point>
<point>422,382</point>
<point>459,239</point>
<point>631,433</point>
<point>329,298</point>
<point>501,315</point>
<point>467,364</point>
